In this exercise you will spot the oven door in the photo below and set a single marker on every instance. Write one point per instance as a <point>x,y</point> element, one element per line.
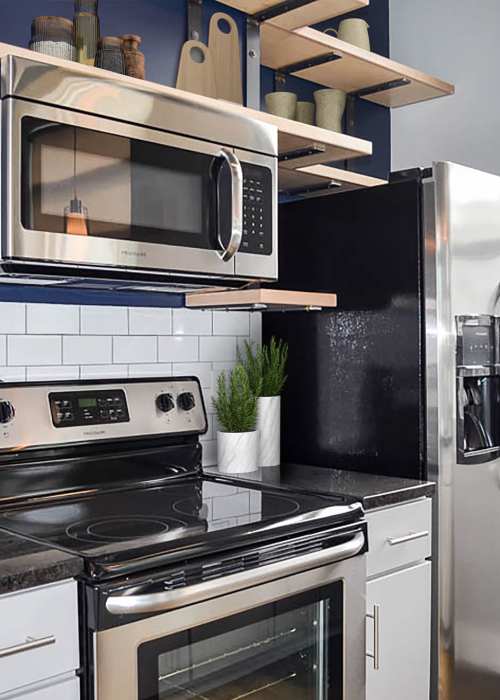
<point>255,634</point>
<point>88,192</point>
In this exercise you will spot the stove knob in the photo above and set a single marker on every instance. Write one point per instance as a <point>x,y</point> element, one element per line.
<point>7,412</point>
<point>165,403</point>
<point>186,401</point>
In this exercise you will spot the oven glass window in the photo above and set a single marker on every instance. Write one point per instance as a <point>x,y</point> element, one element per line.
<point>288,650</point>
<point>81,182</point>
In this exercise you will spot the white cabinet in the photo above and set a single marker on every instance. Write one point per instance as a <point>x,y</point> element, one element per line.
<point>399,595</point>
<point>66,690</point>
<point>404,603</point>
<point>38,635</point>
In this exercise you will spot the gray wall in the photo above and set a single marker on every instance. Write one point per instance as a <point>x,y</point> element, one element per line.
<point>459,41</point>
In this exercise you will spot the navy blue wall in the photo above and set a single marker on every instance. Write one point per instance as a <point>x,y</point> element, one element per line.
<point>163,26</point>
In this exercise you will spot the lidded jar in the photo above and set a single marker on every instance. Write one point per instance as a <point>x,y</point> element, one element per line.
<point>53,36</point>
<point>87,30</point>
<point>110,54</point>
<point>135,64</point>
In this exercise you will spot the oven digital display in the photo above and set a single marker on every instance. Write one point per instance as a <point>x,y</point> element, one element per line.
<point>78,408</point>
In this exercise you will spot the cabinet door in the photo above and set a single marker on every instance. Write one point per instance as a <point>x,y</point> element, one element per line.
<point>66,690</point>
<point>404,627</point>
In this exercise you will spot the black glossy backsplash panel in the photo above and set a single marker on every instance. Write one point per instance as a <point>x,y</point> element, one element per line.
<point>355,394</point>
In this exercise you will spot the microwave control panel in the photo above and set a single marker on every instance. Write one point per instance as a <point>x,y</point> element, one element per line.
<point>72,409</point>
<point>257,210</point>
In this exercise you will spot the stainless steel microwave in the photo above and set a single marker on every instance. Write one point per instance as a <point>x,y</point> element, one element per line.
<point>113,178</point>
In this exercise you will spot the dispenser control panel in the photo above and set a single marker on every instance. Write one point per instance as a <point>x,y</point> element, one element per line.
<point>476,341</point>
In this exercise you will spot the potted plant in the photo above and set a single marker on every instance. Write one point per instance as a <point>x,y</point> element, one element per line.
<point>236,408</point>
<point>266,369</point>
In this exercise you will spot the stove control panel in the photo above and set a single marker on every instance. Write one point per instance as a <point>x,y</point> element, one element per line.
<point>77,408</point>
<point>59,413</point>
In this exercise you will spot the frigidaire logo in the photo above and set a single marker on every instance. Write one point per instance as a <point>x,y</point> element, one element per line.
<point>133,254</point>
<point>92,433</point>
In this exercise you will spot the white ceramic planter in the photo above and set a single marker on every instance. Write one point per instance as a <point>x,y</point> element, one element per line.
<point>237,452</point>
<point>269,428</point>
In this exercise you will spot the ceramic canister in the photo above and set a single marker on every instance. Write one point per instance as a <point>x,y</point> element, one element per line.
<point>305,112</point>
<point>282,104</point>
<point>330,106</point>
<point>269,428</point>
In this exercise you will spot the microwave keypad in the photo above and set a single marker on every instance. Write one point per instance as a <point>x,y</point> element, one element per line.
<point>257,214</point>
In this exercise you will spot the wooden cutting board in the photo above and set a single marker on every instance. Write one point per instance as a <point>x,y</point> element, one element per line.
<point>224,46</point>
<point>196,69</point>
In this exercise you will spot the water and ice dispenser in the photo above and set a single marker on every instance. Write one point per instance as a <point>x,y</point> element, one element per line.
<point>478,389</point>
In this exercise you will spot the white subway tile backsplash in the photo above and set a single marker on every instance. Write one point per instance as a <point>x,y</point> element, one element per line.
<point>217,349</point>
<point>3,350</point>
<point>104,372</point>
<point>52,319</point>
<point>135,349</point>
<point>86,350</point>
<point>49,374</point>
<point>12,374</point>
<point>33,350</point>
<point>192,322</point>
<point>178,349</point>
<point>161,369</point>
<point>12,317</point>
<point>256,328</point>
<point>144,321</point>
<point>104,320</point>
<point>202,370</point>
<point>231,323</point>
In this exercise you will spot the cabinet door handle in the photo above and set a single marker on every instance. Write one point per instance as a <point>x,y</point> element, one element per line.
<point>28,645</point>
<point>375,616</point>
<point>407,538</point>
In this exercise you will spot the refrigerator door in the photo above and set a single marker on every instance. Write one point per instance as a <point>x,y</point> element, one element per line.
<point>467,254</point>
<point>355,395</point>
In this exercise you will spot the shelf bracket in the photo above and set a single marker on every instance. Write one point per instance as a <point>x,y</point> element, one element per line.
<point>312,150</point>
<point>314,190</point>
<point>293,68</point>
<point>253,64</point>
<point>195,19</point>
<point>280,9</point>
<point>380,87</point>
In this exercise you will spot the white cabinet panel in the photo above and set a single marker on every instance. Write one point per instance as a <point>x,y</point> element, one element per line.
<point>38,635</point>
<point>399,536</point>
<point>67,690</point>
<point>404,600</point>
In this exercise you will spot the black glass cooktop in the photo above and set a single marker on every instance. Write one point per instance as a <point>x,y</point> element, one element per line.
<point>118,531</point>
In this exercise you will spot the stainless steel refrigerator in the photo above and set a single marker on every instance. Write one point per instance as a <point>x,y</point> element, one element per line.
<point>404,377</point>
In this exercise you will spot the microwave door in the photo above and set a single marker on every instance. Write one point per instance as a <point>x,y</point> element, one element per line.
<point>98,193</point>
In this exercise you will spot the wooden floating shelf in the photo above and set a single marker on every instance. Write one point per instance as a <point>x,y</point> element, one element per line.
<point>312,13</point>
<point>325,146</point>
<point>353,70</point>
<point>318,178</point>
<point>261,300</point>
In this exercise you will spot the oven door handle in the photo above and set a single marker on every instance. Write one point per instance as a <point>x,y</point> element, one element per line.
<point>169,600</point>
<point>227,253</point>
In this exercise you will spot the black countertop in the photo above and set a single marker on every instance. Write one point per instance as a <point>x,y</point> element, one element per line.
<point>26,564</point>
<point>372,490</point>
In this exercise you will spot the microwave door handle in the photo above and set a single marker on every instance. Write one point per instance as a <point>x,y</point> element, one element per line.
<point>227,253</point>
<point>169,600</point>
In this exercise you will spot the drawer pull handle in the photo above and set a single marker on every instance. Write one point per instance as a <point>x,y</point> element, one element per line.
<point>28,645</point>
<point>375,616</point>
<point>407,538</point>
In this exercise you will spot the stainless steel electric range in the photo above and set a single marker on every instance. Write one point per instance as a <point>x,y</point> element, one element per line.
<point>193,588</point>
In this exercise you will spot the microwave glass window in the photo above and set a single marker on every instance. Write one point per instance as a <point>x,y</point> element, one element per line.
<point>77,181</point>
<point>291,649</point>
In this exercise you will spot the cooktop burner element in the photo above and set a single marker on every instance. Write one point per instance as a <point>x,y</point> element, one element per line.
<point>119,529</point>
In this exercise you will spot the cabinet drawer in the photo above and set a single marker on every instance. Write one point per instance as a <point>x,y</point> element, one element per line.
<point>38,635</point>
<point>67,690</point>
<point>399,536</point>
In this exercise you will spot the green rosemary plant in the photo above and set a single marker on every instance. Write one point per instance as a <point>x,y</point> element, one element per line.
<point>265,367</point>
<point>235,403</point>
